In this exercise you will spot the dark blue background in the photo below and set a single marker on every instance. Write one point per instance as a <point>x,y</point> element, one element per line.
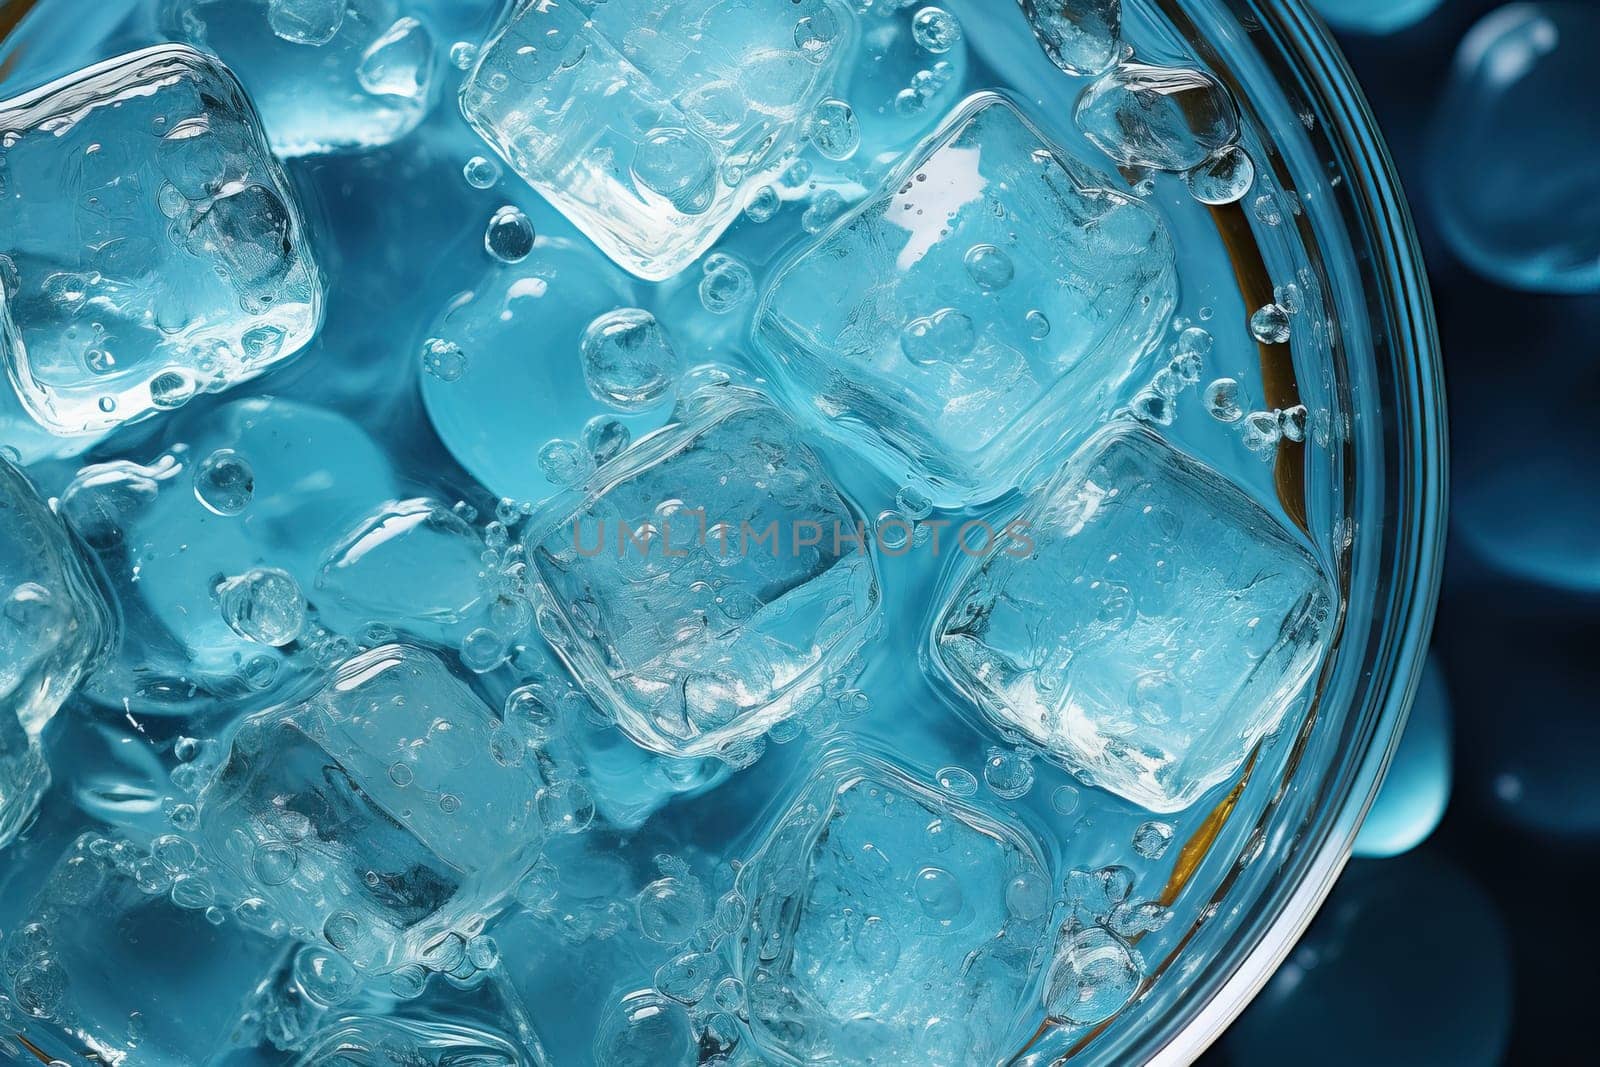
<point>1479,946</point>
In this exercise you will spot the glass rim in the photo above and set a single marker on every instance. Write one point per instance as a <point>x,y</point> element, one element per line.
<point>1298,48</point>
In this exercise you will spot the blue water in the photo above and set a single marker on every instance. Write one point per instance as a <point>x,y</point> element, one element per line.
<point>741,531</point>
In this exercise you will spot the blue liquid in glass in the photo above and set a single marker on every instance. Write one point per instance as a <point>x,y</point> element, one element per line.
<point>721,532</point>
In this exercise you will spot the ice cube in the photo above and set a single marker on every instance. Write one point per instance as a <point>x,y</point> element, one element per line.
<point>327,76</point>
<point>992,299</point>
<point>888,923</point>
<point>122,958</point>
<point>246,489</point>
<point>373,816</point>
<point>706,583</point>
<point>1147,627</point>
<point>152,246</point>
<point>646,123</point>
<point>54,623</point>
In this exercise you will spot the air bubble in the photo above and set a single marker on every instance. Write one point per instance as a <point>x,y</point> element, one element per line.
<point>834,130</point>
<point>628,361</point>
<point>264,605</point>
<point>1270,325</point>
<point>510,235</point>
<point>481,172</point>
<point>935,30</point>
<point>1222,400</point>
<point>989,267</point>
<point>224,482</point>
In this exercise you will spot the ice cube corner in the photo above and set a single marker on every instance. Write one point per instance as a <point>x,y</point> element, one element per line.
<point>992,299</point>
<point>151,246</point>
<point>646,123</point>
<point>1156,623</point>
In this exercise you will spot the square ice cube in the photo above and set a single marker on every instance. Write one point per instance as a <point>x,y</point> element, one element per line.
<point>374,815</point>
<point>54,622</point>
<point>327,75</point>
<point>151,246</point>
<point>888,923</point>
<point>993,298</point>
<point>1151,623</point>
<point>119,961</point>
<point>705,584</point>
<point>645,123</point>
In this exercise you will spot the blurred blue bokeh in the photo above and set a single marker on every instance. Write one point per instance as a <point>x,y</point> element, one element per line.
<point>1450,945</point>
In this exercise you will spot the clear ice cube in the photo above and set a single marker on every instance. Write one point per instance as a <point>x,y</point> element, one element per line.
<point>122,958</point>
<point>705,584</point>
<point>54,622</point>
<point>992,299</point>
<point>152,247</point>
<point>1152,624</point>
<point>888,923</point>
<point>374,816</point>
<point>646,123</point>
<point>327,76</point>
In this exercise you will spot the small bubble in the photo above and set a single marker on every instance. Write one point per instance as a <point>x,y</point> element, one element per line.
<point>727,284</point>
<point>1224,178</point>
<point>274,864</point>
<point>1008,774</point>
<point>827,206</point>
<point>606,438</point>
<point>566,808</point>
<point>510,235</point>
<point>481,172</point>
<point>224,482</point>
<point>1222,400</point>
<point>946,336</point>
<point>1266,210</point>
<point>935,30</point>
<point>957,781</point>
<point>564,463</point>
<point>834,129</point>
<point>1093,975</point>
<point>408,982</point>
<point>989,267</point>
<point>815,35</point>
<point>482,650</point>
<point>1027,896</point>
<point>1151,839</point>
<point>172,389</point>
<point>628,360</point>
<point>1270,325</point>
<point>764,204</point>
<point>264,605</point>
<point>443,359</point>
<point>939,893</point>
<point>1065,800</point>
<point>1262,433</point>
<point>1038,325</point>
<point>1292,423</point>
<point>463,54</point>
